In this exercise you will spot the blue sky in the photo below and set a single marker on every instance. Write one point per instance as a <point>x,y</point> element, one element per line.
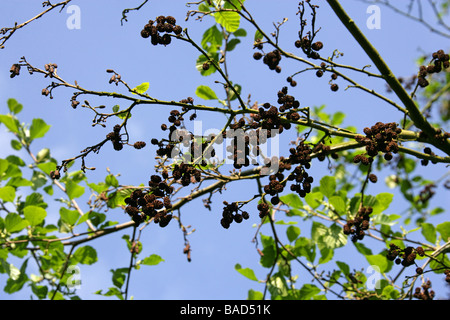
<point>103,43</point>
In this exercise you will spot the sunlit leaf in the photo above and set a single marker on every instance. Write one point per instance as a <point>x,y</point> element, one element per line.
<point>38,128</point>
<point>152,260</point>
<point>85,255</point>
<point>7,193</point>
<point>206,93</point>
<point>142,88</point>
<point>247,272</point>
<point>35,215</point>
<point>228,19</point>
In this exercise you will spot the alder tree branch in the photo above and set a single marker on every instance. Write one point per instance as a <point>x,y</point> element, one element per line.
<point>413,112</point>
<point>126,11</point>
<point>9,31</point>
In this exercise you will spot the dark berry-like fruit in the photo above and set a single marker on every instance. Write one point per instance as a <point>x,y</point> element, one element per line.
<point>257,55</point>
<point>139,144</point>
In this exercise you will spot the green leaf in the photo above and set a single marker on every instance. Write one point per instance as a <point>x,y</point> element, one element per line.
<point>10,122</point>
<point>47,167</point>
<point>444,230</point>
<point>232,44</point>
<point>330,237</point>
<point>258,36</point>
<point>338,204</point>
<point>240,33</point>
<point>77,176</point>
<point>43,155</point>
<point>247,272</point>
<point>12,271</point>
<point>232,95</point>
<point>113,291</point>
<point>98,187</point>
<point>314,199</point>
<point>277,286</point>
<point>408,164</point>
<point>119,276</point>
<point>269,251</point>
<point>383,219</point>
<point>228,19</point>
<point>292,233</point>
<point>338,118</point>
<point>379,261</point>
<point>83,218</point>
<point>143,87</point>
<point>36,199</point>
<point>152,260</point>
<point>343,267</point>
<point>206,93</point>
<point>20,249</point>
<point>233,4</point>
<point>14,223</point>
<point>35,215</point>
<point>202,59</point>
<point>3,166</point>
<point>85,255</point>
<point>439,261</point>
<point>308,291</point>
<point>12,171</point>
<point>16,145</point>
<point>363,249</point>
<point>112,181</point>
<point>436,211</point>
<point>39,291</point>
<point>429,232</point>
<point>38,128</point>
<point>324,117</point>
<point>383,200</point>
<point>335,238</point>
<point>69,216</point>
<point>318,230</point>
<point>74,190</point>
<point>328,186</point>
<point>19,182</point>
<point>14,285</point>
<point>16,160</point>
<point>7,193</point>
<point>306,247</point>
<point>212,39</point>
<point>254,295</point>
<point>203,8</point>
<point>14,106</point>
<point>292,200</point>
<point>58,296</point>
<point>326,254</point>
<point>295,212</point>
<point>390,292</point>
<point>124,114</point>
<point>96,218</point>
<point>282,222</point>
